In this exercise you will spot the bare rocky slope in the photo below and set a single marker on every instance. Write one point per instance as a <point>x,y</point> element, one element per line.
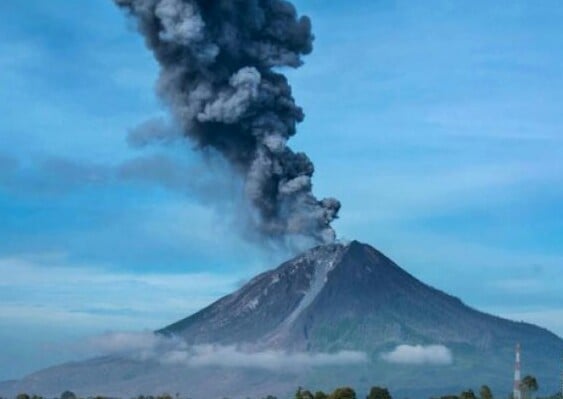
<point>331,298</point>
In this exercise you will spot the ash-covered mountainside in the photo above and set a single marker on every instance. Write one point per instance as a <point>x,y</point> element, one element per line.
<point>336,297</point>
<point>331,298</point>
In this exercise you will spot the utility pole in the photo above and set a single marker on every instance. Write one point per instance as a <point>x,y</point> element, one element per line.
<point>517,391</point>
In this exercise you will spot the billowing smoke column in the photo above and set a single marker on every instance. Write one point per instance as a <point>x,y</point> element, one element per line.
<point>218,60</point>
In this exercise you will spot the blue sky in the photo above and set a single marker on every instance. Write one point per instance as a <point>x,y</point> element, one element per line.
<point>438,124</point>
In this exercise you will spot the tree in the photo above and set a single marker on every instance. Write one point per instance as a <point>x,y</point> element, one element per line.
<point>68,395</point>
<point>343,393</point>
<point>303,394</point>
<point>485,392</point>
<point>529,386</point>
<point>321,395</point>
<point>22,396</point>
<point>469,394</point>
<point>379,393</point>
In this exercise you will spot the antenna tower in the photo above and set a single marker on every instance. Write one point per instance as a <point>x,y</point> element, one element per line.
<point>517,391</point>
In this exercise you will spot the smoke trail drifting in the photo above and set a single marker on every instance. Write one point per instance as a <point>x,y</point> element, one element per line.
<point>218,60</point>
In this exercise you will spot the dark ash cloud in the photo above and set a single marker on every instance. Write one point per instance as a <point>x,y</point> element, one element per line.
<point>220,78</point>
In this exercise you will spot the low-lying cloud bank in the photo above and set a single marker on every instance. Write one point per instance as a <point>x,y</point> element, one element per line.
<point>174,351</point>
<point>419,354</point>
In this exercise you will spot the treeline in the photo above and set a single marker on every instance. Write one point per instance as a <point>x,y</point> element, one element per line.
<point>529,387</point>
<point>377,392</point>
<point>341,393</point>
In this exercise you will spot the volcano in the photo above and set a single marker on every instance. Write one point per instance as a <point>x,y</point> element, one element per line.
<point>332,298</point>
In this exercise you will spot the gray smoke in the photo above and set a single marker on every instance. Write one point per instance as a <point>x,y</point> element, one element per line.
<point>220,76</point>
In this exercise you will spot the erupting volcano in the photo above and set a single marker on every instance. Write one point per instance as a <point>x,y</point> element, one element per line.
<point>338,314</point>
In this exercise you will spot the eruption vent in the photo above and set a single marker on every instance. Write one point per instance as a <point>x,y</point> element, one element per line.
<point>220,77</point>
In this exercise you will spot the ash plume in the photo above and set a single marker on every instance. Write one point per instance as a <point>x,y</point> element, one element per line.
<point>220,75</point>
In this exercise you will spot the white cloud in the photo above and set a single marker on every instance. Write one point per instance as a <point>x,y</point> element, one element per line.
<point>146,345</point>
<point>231,356</point>
<point>419,354</point>
<point>47,289</point>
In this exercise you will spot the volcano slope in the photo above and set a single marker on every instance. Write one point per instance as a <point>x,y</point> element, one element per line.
<point>330,299</point>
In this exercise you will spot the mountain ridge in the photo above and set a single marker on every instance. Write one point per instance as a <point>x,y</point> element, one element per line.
<point>392,280</point>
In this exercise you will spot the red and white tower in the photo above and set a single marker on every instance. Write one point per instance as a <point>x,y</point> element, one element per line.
<point>517,391</point>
